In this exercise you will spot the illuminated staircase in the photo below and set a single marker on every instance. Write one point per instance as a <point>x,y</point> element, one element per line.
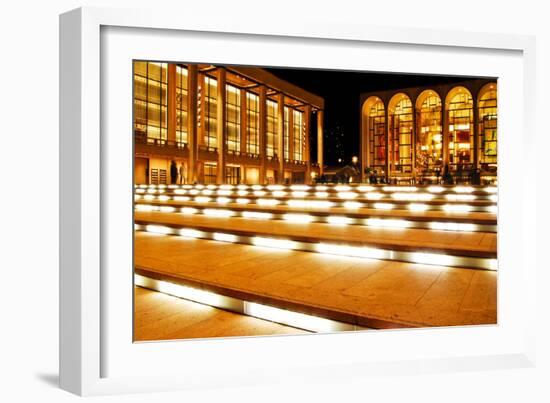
<point>452,229</point>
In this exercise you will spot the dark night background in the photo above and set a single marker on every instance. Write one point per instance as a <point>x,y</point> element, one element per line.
<point>341,91</point>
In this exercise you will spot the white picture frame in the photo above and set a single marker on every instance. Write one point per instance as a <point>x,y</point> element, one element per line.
<point>97,357</point>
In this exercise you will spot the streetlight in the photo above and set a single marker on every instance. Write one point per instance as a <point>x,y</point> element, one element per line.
<point>354,159</point>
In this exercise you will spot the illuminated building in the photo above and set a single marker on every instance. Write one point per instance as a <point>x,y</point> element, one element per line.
<point>260,134</point>
<point>411,134</point>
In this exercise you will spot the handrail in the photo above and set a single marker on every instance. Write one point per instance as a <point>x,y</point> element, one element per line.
<point>159,142</point>
<point>208,149</point>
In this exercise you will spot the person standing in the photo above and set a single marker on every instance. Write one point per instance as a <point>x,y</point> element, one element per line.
<point>173,172</point>
<point>182,174</point>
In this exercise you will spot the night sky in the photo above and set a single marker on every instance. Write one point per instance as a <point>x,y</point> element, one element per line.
<point>341,91</point>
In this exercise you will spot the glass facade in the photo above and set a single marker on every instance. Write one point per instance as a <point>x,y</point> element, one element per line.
<point>431,132</point>
<point>461,117</point>
<point>401,129</point>
<point>210,173</point>
<point>150,102</point>
<point>377,135</point>
<point>487,105</point>
<point>253,123</point>
<point>210,112</point>
<point>298,135</point>
<point>232,175</point>
<point>181,106</point>
<point>429,145</point>
<point>233,118</point>
<point>271,129</point>
<point>163,108</point>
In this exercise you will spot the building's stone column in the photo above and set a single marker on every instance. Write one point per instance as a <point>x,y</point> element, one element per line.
<point>413,141</point>
<point>363,159</point>
<point>192,140</point>
<point>171,107</point>
<point>476,132</point>
<point>290,134</point>
<point>244,122</point>
<point>281,135</point>
<point>320,160</point>
<point>221,117</point>
<point>307,156</point>
<point>445,133</point>
<point>388,142</point>
<point>262,104</point>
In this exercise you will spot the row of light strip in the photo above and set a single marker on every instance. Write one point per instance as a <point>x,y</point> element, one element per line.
<point>319,194</point>
<point>320,204</point>
<point>338,188</point>
<point>326,248</point>
<point>307,218</point>
<point>261,311</point>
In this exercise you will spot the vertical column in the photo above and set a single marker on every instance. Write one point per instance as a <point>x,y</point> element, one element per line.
<point>320,117</point>
<point>307,156</point>
<point>413,141</point>
<point>200,171</point>
<point>281,135</point>
<point>171,121</point>
<point>290,134</point>
<point>221,117</point>
<point>475,164</point>
<point>388,143</point>
<point>243,135</point>
<point>244,122</point>
<point>363,147</point>
<point>262,104</point>
<point>445,133</point>
<point>192,143</point>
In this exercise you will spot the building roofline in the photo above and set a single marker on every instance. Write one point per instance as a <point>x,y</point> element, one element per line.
<point>367,94</point>
<point>265,77</point>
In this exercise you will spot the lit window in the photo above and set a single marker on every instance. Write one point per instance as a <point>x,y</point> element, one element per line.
<point>181,106</point>
<point>461,119</point>
<point>488,127</point>
<point>429,151</point>
<point>210,117</point>
<point>252,123</point>
<point>400,134</point>
<point>150,102</point>
<point>233,118</point>
<point>271,130</point>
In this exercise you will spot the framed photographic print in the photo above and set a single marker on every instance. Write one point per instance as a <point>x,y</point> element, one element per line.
<point>241,204</point>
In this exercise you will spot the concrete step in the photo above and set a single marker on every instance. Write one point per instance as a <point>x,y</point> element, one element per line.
<point>360,292</point>
<point>481,191</point>
<point>159,316</point>
<point>335,193</point>
<point>471,222</point>
<point>436,204</point>
<point>450,248</point>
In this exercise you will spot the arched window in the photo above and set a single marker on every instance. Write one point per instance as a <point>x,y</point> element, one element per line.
<point>487,104</point>
<point>374,129</point>
<point>429,138</point>
<point>400,133</point>
<point>461,119</point>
